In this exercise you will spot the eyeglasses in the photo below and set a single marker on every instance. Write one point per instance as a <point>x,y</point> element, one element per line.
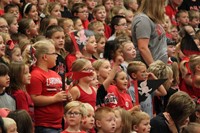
<point>73,113</point>
<point>4,26</point>
<point>51,53</point>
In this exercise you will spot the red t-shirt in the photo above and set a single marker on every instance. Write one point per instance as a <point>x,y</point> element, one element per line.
<point>123,98</point>
<point>46,84</point>
<point>107,31</point>
<point>85,24</point>
<point>24,101</point>
<point>1,12</point>
<point>69,59</point>
<point>171,13</point>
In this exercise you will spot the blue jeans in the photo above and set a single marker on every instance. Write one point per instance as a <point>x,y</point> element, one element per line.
<point>40,129</point>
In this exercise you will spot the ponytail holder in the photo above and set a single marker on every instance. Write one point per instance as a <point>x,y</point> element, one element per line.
<point>25,7</point>
<point>10,44</point>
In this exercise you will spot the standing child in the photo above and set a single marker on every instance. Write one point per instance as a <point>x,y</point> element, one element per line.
<point>6,101</point>
<point>140,122</point>
<point>101,41</point>
<point>13,52</point>
<point>28,27</point>
<point>78,25</point>
<point>29,10</point>
<point>137,70</point>
<point>56,33</point>
<point>80,10</point>
<point>117,93</point>
<point>99,13</point>
<point>83,91</point>
<point>75,113</point>
<point>105,120</point>
<point>41,7</point>
<point>88,123</point>
<point>46,22</point>
<point>20,77</point>
<point>96,27</point>
<point>2,49</point>
<point>182,18</point>
<point>12,23</point>
<point>67,24</point>
<point>194,66</point>
<point>53,9</point>
<point>105,76</point>
<point>162,71</point>
<point>46,89</point>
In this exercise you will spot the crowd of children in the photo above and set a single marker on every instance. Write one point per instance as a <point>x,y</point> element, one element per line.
<point>77,66</point>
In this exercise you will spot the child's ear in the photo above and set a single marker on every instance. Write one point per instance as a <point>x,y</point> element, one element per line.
<point>83,120</point>
<point>197,67</point>
<point>197,114</point>
<point>98,123</point>
<point>133,75</point>
<point>27,31</point>
<point>135,127</point>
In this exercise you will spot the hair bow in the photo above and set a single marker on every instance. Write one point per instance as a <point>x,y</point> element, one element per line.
<point>10,44</point>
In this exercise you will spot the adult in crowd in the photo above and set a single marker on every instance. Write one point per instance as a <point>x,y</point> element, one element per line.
<point>147,33</point>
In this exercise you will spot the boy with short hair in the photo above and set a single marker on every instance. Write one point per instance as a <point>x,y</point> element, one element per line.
<point>99,14</point>
<point>182,18</point>
<point>137,70</point>
<point>194,19</point>
<point>105,120</point>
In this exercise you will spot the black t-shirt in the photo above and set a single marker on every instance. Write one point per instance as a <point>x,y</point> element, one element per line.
<point>101,93</point>
<point>158,124</point>
<point>190,5</point>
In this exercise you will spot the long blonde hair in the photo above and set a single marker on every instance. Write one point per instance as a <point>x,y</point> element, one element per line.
<point>154,11</point>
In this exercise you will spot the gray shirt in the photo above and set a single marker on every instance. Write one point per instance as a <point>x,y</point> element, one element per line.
<point>144,27</point>
<point>7,101</point>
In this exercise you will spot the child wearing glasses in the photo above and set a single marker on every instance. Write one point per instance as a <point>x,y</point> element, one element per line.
<point>75,113</point>
<point>45,89</point>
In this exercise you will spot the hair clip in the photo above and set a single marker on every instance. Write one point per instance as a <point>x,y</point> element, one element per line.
<point>10,44</point>
<point>32,54</point>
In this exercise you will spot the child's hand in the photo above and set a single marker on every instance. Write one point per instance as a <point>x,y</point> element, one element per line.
<point>151,76</point>
<point>170,123</point>
<point>69,97</point>
<point>60,96</point>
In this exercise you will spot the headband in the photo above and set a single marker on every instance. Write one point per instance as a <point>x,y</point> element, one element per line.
<point>25,7</point>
